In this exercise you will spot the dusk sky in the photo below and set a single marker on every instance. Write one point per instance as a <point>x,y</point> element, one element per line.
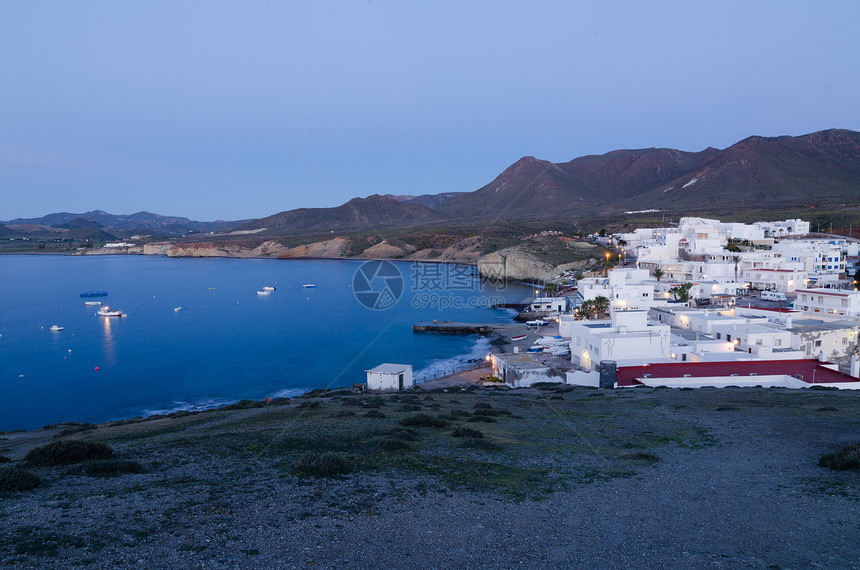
<point>205,109</point>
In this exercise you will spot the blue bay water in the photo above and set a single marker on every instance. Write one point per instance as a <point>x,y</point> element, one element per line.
<point>227,344</point>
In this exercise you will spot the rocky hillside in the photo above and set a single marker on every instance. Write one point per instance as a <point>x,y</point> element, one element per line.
<point>822,167</point>
<point>359,213</point>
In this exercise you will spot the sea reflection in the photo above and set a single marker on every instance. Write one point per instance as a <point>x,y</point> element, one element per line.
<point>108,340</point>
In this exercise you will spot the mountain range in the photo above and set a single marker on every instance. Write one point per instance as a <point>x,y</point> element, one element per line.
<point>757,172</point>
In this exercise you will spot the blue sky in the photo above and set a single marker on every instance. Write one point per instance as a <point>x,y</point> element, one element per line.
<point>205,109</point>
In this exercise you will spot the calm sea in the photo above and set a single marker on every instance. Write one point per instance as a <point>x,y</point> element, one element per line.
<point>228,342</point>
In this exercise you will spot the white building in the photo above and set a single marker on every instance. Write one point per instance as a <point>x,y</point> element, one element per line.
<point>627,338</point>
<point>815,256</point>
<point>828,301</point>
<point>626,288</point>
<point>390,377</point>
<point>762,340</point>
<point>521,370</point>
<point>785,280</point>
<point>794,227</point>
<point>549,305</point>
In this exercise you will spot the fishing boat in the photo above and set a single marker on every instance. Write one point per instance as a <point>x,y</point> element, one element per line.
<point>56,328</point>
<point>94,294</point>
<point>309,285</point>
<point>92,303</point>
<point>519,337</point>
<point>108,312</point>
<point>268,288</point>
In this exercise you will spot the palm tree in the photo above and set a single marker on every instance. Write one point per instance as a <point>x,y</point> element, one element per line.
<point>658,273</point>
<point>601,306</point>
<point>550,289</point>
<point>737,260</point>
<point>682,291</point>
<point>586,309</point>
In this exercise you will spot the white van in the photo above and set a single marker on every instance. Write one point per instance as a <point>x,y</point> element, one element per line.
<point>773,296</point>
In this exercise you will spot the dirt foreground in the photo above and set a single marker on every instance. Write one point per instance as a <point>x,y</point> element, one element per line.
<point>561,477</point>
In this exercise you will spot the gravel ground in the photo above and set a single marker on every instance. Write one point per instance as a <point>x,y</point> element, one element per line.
<point>736,485</point>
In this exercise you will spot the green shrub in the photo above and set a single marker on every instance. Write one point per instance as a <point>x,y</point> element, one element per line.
<point>405,434</point>
<point>107,468</point>
<point>327,464</point>
<point>482,406</point>
<point>641,456</point>
<point>343,414</point>
<point>68,452</point>
<point>466,432</point>
<point>410,408</point>
<point>75,429</point>
<point>846,459</point>
<point>423,420</point>
<point>387,444</point>
<point>482,418</point>
<point>4,459</point>
<point>16,478</point>
<point>308,405</point>
<point>374,414</point>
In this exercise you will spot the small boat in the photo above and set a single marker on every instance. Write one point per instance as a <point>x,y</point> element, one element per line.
<point>535,349</point>
<point>268,288</point>
<point>263,292</point>
<point>92,303</point>
<point>537,323</point>
<point>309,285</point>
<point>177,309</point>
<point>56,328</point>
<point>107,312</point>
<point>94,294</point>
<point>519,337</point>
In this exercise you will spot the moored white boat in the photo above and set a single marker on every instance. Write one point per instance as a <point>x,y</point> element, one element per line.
<point>263,292</point>
<point>177,309</point>
<point>268,288</point>
<point>519,337</point>
<point>309,285</point>
<point>108,312</point>
<point>56,328</point>
<point>536,323</point>
<point>92,303</point>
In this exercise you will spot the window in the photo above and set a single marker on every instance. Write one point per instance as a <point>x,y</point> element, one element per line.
<point>777,342</point>
<point>718,336</point>
<point>817,343</point>
<point>758,342</point>
<point>729,337</point>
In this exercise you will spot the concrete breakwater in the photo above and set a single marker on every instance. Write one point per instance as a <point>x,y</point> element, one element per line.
<point>459,328</point>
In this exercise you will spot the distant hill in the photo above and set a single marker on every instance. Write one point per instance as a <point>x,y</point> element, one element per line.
<point>359,213</point>
<point>815,168</point>
<point>142,221</point>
